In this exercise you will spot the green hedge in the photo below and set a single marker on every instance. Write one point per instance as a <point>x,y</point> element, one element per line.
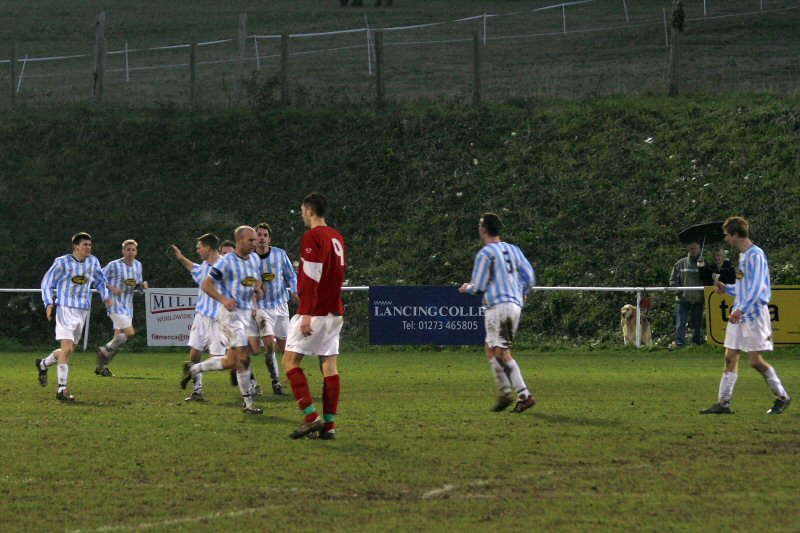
<point>594,192</point>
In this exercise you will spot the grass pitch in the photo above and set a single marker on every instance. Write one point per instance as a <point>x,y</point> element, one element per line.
<point>615,443</point>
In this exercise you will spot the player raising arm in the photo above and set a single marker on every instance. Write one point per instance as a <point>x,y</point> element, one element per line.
<point>238,275</point>
<point>205,333</point>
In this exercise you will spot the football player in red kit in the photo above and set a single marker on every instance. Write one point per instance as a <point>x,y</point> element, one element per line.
<point>315,329</point>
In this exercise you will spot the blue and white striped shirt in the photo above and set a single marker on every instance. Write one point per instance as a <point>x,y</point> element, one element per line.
<point>73,280</point>
<point>278,277</point>
<point>752,288</point>
<point>206,305</point>
<point>125,277</point>
<point>502,274</point>
<point>238,278</point>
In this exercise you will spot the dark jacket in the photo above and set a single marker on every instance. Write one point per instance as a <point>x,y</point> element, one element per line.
<point>727,274</point>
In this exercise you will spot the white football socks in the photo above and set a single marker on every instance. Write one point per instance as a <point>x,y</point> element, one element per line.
<point>515,376</point>
<point>50,360</point>
<point>212,363</point>
<point>726,387</point>
<point>272,365</point>
<point>500,377</point>
<point>775,384</point>
<point>198,382</point>
<point>63,376</point>
<point>116,342</point>
<point>244,386</point>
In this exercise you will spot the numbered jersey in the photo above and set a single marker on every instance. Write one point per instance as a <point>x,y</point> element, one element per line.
<point>502,274</point>
<point>323,261</point>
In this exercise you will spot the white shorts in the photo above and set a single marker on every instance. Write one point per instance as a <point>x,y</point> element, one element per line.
<point>236,326</point>
<point>121,321</point>
<point>70,322</point>
<point>751,336</point>
<point>502,321</point>
<point>323,341</point>
<point>206,334</point>
<point>273,322</point>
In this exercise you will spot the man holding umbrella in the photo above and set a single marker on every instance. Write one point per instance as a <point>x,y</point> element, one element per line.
<point>686,273</point>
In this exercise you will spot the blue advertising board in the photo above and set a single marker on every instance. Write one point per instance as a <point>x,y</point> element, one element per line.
<point>424,315</point>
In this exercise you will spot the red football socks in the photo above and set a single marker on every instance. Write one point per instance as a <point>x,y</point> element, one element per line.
<point>299,382</point>
<point>330,400</point>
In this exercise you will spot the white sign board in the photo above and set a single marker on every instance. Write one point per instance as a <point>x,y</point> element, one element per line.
<point>170,313</point>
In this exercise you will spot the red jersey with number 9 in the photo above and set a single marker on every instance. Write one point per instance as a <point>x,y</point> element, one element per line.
<point>323,264</point>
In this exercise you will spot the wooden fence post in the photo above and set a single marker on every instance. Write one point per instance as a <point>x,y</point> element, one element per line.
<point>13,73</point>
<point>476,69</point>
<point>193,74</point>
<point>99,74</point>
<point>241,42</point>
<point>285,69</point>
<point>379,89</point>
<point>676,27</point>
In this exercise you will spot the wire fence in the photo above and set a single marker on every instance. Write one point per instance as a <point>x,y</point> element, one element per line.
<point>572,49</point>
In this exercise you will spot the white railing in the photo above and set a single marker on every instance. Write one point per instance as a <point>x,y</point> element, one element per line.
<point>360,288</point>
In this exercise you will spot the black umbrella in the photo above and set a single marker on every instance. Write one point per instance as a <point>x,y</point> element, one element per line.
<point>710,233</point>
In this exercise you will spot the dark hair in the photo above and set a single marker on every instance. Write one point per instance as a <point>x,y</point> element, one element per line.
<point>492,224</point>
<point>317,203</point>
<point>264,225</point>
<point>737,226</point>
<point>80,236</point>
<point>210,240</point>
<point>227,242</point>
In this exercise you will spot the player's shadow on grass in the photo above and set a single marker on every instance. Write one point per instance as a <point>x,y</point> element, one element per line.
<point>577,421</point>
<point>84,403</point>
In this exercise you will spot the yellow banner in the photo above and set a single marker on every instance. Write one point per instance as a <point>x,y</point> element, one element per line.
<point>784,310</point>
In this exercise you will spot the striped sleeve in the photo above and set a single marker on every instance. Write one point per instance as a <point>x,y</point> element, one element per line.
<point>50,279</point>
<point>197,274</point>
<point>100,281</point>
<point>754,284</point>
<point>480,273</point>
<point>289,275</point>
<point>527,273</point>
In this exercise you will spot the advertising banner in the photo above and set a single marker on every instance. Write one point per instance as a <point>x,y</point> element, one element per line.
<point>170,313</point>
<point>784,311</point>
<point>437,315</point>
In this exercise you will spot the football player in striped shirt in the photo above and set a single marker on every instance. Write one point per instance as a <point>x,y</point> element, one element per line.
<point>315,329</point>
<point>205,333</point>
<point>749,326</point>
<point>238,275</point>
<point>71,277</point>
<point>279,283</point>
<point>125,276</point>
<point>504,277</point>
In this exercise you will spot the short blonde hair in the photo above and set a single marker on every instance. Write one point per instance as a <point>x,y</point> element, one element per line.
<point>130,241</point>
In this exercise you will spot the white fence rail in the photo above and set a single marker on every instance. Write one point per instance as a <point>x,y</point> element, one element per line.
<point>638,290</point>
